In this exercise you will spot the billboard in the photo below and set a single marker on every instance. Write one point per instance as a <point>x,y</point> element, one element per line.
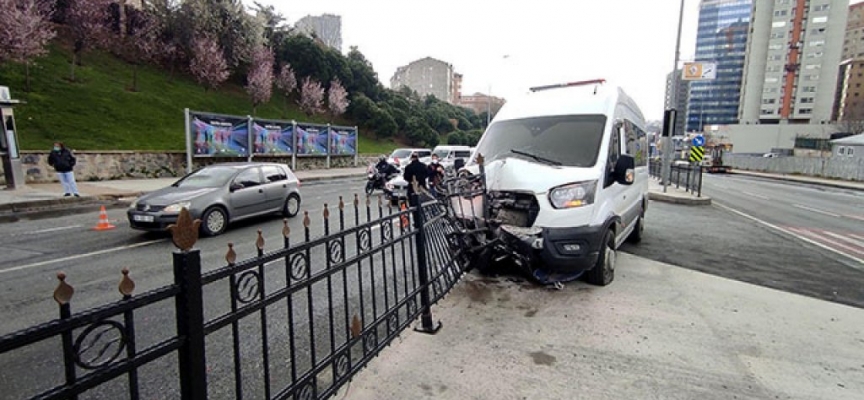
<point>311,139</point>
<point>343,141</point>
<point>219,135</point>
<point>699,71</point>
<point>272,137</point>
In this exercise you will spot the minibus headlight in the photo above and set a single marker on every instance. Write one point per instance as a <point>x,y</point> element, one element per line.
<point>573,195</point>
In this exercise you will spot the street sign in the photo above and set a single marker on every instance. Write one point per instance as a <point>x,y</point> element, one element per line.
<point>699,141</point>
<point>699,71</point>
<point>696,153</point>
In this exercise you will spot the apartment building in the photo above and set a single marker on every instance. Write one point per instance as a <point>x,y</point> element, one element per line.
<point>429,76</point>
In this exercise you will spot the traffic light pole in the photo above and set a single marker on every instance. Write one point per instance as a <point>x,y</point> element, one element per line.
<point>668,147</point>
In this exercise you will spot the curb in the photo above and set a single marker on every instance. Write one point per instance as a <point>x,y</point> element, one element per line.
<point>690,201</point>
<point>793,179</point>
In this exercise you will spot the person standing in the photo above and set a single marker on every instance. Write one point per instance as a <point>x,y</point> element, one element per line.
<point>63,161</point>
<point>415,170</point>
<point>435,175</point>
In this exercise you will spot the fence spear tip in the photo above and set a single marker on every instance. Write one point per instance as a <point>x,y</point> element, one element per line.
<point>63,293</point>
<point>326,211</point>
<point>259,243</point>
<point>127,285</point>
<point>286,230</point>
<point>231,256</point>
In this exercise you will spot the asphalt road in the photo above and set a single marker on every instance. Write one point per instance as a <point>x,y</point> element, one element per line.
<point>32,252</point>
<point>792,237</point>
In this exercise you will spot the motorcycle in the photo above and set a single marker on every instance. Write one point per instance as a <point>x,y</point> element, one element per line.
<point>375,180</point>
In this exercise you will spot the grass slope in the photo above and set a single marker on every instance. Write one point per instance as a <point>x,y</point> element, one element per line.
<point>98,112</point>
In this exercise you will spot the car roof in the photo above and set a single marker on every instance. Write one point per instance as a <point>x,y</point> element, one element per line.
<point>238,165</point>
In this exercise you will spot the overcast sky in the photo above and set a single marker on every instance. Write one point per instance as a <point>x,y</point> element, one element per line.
<point>628,42</point>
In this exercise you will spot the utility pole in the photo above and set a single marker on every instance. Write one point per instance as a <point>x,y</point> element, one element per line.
<point>673,101</point>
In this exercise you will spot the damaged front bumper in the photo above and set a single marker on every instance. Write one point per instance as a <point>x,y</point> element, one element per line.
<point>552,254</point>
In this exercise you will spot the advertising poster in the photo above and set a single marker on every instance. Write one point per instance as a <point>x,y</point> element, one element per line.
<point>273,137</point>
<point>311,140</point>
<point>219,136</point>
<point>343,141</point>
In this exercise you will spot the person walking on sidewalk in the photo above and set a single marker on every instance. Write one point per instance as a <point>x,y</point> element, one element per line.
<point>63,161</point>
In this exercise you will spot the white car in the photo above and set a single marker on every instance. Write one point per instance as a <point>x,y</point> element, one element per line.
<point>401,157</point>
<point>447,155</point>
<point>567,178</point>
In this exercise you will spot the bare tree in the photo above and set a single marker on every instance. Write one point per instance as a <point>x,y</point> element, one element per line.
<point>286,81</point>
<point>88,21</point>
<point>337,99</point>
<point>311,97</point>
<point>259,81</point>
<point>208,63</point>
<point>140,42</point>
<point>25,30</point>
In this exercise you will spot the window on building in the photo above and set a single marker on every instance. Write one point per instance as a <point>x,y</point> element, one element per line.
<point>778,35</point>
<point>850,151</point>
<point>841,150</point>
<point>815,55</point>
<point>820,20</point>
<point>779,13</point>
<point>821,7</point>
<point>767,112</point>
<point>813,77</point>
<point>817,42</point>
<point>775,57</point>
<point>775,46</point>
<point>805,111</point>
<point>806,99</point>
<point>809,89</point>
<point>769,101</point>
<point>813,66</point>
<point>778,24</point>
<point>771,79</point>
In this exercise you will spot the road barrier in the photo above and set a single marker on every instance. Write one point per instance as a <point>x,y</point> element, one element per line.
<point>688,176</point>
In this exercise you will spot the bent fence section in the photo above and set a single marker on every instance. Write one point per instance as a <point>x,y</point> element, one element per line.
<point>294,322</point>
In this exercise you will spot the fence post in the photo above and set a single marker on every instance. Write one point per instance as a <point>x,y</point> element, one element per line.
<point>426,325</point>
<point>190,325</point>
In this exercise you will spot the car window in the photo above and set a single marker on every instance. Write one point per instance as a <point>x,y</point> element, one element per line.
<point>212,176</point>
<point>401,153</point>
<point>442,154</point>
<point>425,153</point>
<point>249,177</point>
<point>636,143</point>
<point>273,173</point>
<point>571,140</point>
<point>463,154</point>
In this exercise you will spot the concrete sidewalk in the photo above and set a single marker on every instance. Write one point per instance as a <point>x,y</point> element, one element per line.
<point>657,332</point>
<point>50,195</point>
<point>835,183</point>
<point>676,196</point>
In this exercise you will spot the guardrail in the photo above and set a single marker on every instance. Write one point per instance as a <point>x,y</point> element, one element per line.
<point>688,176</point>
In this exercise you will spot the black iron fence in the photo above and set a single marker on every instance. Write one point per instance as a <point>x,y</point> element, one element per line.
<point>682,175</point>
<point>296,322</point>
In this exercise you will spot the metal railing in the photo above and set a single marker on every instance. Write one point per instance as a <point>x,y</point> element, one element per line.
<point>688,176</point>
<point>296,322</point>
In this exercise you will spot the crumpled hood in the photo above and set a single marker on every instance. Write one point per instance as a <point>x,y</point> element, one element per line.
<point>517,174</point>
<point>170,195</point>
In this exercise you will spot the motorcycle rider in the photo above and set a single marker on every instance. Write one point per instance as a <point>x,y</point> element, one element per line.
<point>384,168</point>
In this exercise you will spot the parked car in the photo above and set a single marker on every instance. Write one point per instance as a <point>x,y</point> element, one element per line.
<point>220,194</point>
<point>401,157</point>
<point>447,155</point>
<point>566,169</point>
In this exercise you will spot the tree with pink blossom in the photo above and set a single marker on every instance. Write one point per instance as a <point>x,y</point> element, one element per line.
<point>141,43</point>
<point>337,99</point>
<point>88,21</point>
<point>286,81</point>
<point>208,63</point>
<point>311,97</point>
<point>25,30</point>
<point>259,81</point>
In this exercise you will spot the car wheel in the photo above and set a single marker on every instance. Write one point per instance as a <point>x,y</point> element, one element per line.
<point>604,271</point>
<point>638,230</point>
<point>292,206</point>
<point>215,221</point>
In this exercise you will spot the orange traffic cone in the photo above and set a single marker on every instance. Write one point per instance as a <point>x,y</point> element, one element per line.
<point>103,224</point>
<point>404,216</point>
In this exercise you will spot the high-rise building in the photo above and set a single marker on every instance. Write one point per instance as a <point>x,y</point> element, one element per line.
<point>853,44</point>
<point>793,55</point>
<point>722,40</point>
<point>429,76</point>
<point>680,100</point>
<point>327,28</point>
<point>849,101</point>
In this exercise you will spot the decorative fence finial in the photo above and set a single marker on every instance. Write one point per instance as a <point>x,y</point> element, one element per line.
<point>326,211</point>
<point>341,204</point>
<point>259,243</point>
<point>231,256</point>
<point>64,292</point>
<point>184,233</point>
<point>306,219</point>
<point>126,286</point>
<point>356,200</point>
<point>356,327</point>
<point>480,159</point>
<point>286,231</point>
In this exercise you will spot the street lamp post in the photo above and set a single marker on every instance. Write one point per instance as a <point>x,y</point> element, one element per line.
<point>673,97</point>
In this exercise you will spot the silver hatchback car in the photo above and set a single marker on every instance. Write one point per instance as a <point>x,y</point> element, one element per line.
<point>220,194</point>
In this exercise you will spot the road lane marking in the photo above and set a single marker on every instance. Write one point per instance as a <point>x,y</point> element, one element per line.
<point>858,217</point>
<point>78,256</point>
<point>61,228</point>
<point>816,210</point>
<point>819,235</point>
<point>857,243</point>
<point>758,196</point>
<point>791,233</point>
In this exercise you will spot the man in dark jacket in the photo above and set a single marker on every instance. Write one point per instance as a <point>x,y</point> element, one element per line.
<point>415,170</point>
<point>435,174</point>
<point>63,161</point>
